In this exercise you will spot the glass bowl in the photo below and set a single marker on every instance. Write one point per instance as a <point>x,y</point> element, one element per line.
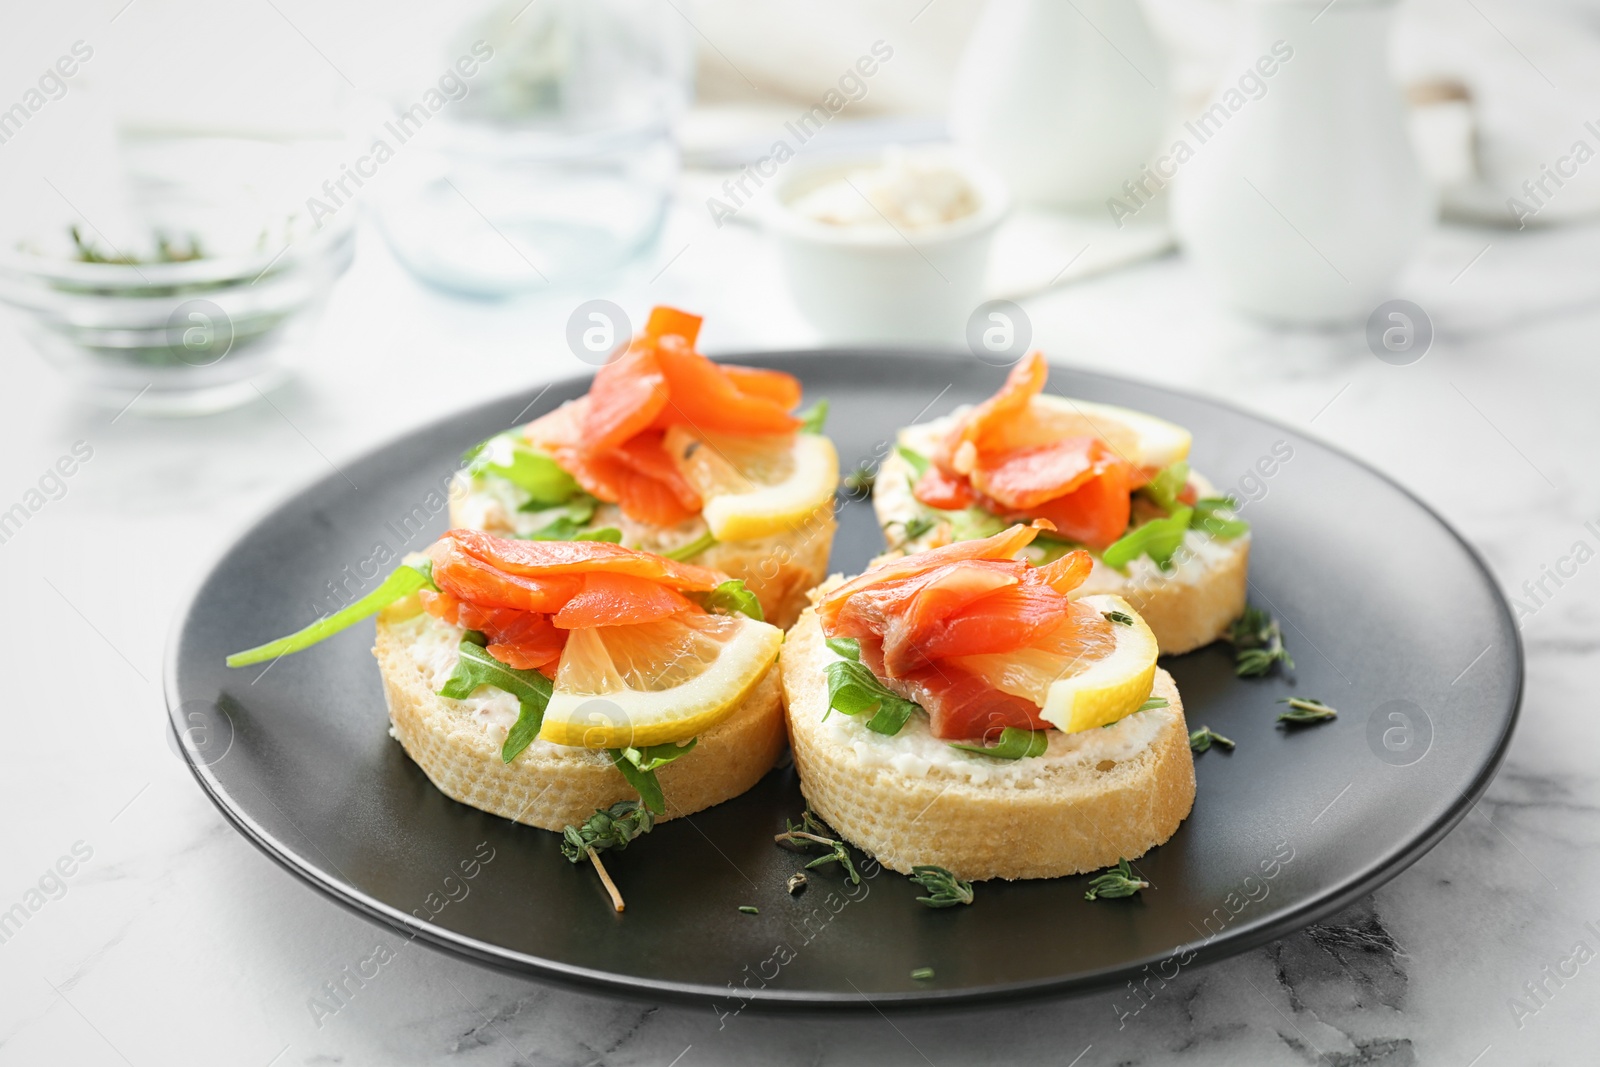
<point>184,338</point>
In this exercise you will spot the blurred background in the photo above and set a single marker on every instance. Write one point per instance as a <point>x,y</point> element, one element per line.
<point>188,184</point>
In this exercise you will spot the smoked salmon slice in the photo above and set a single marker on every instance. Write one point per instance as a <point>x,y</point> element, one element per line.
<point>916,618</point>
<point>553,559</point>
<point>1008,458</point>
<point>610,440</point>
<point>526,596</point>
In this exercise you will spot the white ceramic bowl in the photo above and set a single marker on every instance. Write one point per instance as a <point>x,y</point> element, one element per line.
<point>876,284</point>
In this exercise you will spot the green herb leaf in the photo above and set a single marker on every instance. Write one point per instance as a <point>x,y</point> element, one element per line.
<point>917,462</point>
<point>687,552</point>
<point>607,828</point>
<point>523,466</point>
<point>1203,738</point>
<point>847,647</point>
<point>922,974</point>
<point>1014,743</point>
<point>749,910</point>
<point>858,483</point>
<point>476,667</point>
<point>1304,711</point>
<point>853,689</point>
<point>401,582</point>
<point>945,890</point>
<point>565,529</point>
<point>913,528</point>
<point>639,766</point>
<point>813,418</point>
<point>1206,518</point>
<point>729,598</point>
<point>1117,882</point>
<point>580,509</point>
<point>1121,618</point>
<point>974,523</point>
<point>1159,539</point>
<point>1166,485</point>
<point>810,834</point>
<point>1153,703</point>
<point>1258,644</point>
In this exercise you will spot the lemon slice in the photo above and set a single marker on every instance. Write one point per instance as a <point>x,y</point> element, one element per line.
<point>1111,687</point>
<point>1088,676</point>
<point>1143,440</point>
<point>655,682</point>
<point>756,486</point>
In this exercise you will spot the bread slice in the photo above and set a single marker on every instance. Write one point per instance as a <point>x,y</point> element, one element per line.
<point>1091,800</point>
<point>1187,607</point>
<point>779,569</point>
<point>457,742</point>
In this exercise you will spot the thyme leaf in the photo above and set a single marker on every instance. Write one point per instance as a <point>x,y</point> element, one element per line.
<point>607,828</point>
<point>1306,711</point>
<point>1203,738</point>
<point>945,890</point>
<point>810,834</point>
<point>1117,882</point>
<point>1258,644</point>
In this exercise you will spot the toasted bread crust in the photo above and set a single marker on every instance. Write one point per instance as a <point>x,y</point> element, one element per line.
<point>1083,819</point>
<point>554,786</point>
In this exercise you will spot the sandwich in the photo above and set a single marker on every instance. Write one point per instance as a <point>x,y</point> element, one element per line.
<point>676,455</point>
<point>963,708</point>
<point>1111,481</point>
<point>544,681</point>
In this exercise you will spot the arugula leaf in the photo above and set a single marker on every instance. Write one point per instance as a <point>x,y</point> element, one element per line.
<point>853,689</point>
<point>814,417</point>
<point>639,766</point>
<point>607,828</point>
<point>684,553</point>
<point>1167,484</point>
<point>1159,539</point>
<point>565,529</point>
<point>401,582</point>
<point>917,461</point>
<point>847,647</point>
<point>1219,526</point>
<point>1014,744</point>
<point>945,890</point>
<point>580,508</point>
<point>532,690</point>
<point>914,528</point>
<point>729,598</point>
<point>525,467</point>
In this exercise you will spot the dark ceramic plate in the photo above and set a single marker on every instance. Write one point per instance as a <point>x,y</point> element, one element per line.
<point>1390,617</point>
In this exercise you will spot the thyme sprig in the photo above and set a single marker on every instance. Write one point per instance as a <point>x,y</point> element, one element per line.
<point>1203,738</point>
<point>607,828</point>
<point>945,890</point>
<point>811,833</point>
<point>1306,711</point>
<point>1117,882</point>
<point>1258,644</point>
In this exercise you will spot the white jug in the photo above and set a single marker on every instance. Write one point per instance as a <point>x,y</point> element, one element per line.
<point>1064,100</point>
<point>1301,199</point>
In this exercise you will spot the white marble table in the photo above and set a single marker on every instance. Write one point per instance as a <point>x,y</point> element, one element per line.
<point>175,941</point>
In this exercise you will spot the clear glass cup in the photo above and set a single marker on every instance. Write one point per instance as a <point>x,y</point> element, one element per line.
<point>558,162</point>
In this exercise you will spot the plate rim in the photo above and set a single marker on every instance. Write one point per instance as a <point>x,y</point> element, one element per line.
<point>769,1000</point>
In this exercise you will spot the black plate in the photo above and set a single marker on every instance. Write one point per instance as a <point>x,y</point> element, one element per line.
<point>1390,617</point>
